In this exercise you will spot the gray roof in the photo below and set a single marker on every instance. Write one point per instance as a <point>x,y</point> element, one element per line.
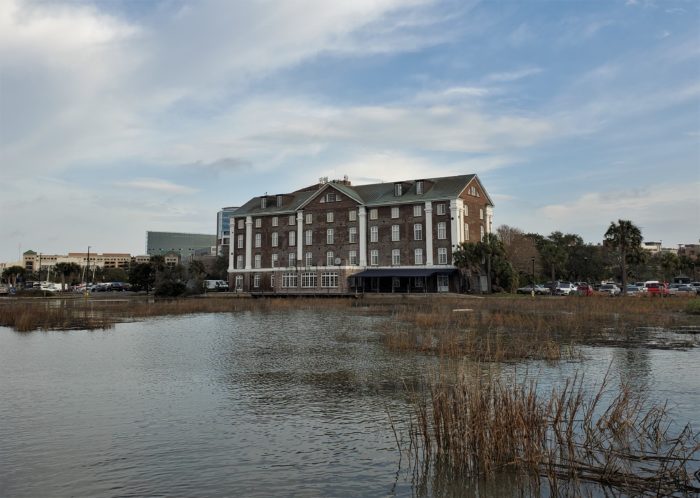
<point>375,194</point>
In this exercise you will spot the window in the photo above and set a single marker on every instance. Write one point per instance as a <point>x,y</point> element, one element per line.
<point>263,202</point>
<point>309,218</point>
<point>258,222</point>
<point>373,214</point>
<point>398,188</point>
<point>275,239</point>
<point>395,233</point>
<point>329,279</point>
<point>272,280</point>
<point>352,235</point>
<point>443,283</point>
<point>309,237</point>
<point>329,217</point>
<point>256,280</point>
<point>275,221</point>
<point>442,255</point>
<point>258,240</point>
<point>395,212</point>
<point>440,209</point>
<point>466,231</point>
<point>279,201</point>
<point>418,282</point>
<point>239,241</point>
<point>239,282</point>
<point>275,260</point>
<point>374,233</point>
<point>419,187</point>
<point>308,280</point>
<point>240,224</point>
<point>352,257</point>
<point>330,258</point>
<point>418,256</point>
<point>417,231</point>
<point>239,262</point>
<point>482,232</point>
<point>442,230</point>
<point>258,260</point>
<point>289,280</point>
<point>309,259</point>
<point>292,239</point>
<point>352,215</point>
<point>417,210</point>
<point>481,214</point>
<point>329,236</point>
<point>330,197</point>
<point>466,210</point>
<point>395,256</point>
<point>292,259</point>
<point>292,220</point>
<point>374,257</point>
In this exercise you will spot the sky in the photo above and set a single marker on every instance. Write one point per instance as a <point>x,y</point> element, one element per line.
<point>118,117</point>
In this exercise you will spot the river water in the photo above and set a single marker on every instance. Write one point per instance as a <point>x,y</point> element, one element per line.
<point>247,404</point>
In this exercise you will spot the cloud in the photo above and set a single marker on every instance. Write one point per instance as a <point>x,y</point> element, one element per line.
<point>157,185</point>
<point>513,75</point>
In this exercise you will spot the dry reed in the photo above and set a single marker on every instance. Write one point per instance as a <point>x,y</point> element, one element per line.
<point>481,426</point>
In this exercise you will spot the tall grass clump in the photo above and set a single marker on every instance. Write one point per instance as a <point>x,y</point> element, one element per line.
<point>480,426</point>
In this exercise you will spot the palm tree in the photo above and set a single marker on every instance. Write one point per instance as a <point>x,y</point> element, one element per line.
<point>626,237</point>
<point>66,270</point>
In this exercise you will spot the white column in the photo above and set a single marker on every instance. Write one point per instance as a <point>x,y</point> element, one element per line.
<point>363,236</point>
<point>231,245</point>
<point>248,242</point>
<point>456,206</point>
<point>489,218</point>
<point>428,233</point>
<point>300,238</point>
<point>460,224</point>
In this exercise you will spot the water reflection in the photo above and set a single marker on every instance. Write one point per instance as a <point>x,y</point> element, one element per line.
<point>249,403</point>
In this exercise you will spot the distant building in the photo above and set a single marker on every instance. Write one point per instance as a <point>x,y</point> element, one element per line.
<point>223,221</point>
<point>690,250</point>
<point>652,247</point>
<point>335,238</point>
<point>33,261</point>
<point>185,245</point>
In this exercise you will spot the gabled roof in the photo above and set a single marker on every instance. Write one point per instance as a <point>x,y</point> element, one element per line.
<point>375,194</point>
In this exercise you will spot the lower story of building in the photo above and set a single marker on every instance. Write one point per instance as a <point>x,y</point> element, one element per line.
<point>346,280</point>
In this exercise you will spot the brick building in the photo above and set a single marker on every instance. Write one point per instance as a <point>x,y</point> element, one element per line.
<point>333,237</point>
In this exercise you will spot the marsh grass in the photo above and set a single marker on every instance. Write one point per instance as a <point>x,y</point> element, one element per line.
<point>482,427</point>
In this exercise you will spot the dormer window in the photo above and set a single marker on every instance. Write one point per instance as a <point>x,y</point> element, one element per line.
<point>263,202</point>
<point>279,201</point>
<point>419,187</point>
<point>330,197</point>
<point>398,189</point>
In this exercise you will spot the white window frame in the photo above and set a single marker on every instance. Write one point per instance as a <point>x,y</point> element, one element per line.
<point>256,280</point>
<point>272,280</point>
<point>418,256</point>
<point>239,262</point>
<point>309,280</point>
<point>308,218</point>
<point>238,282</point>
<point>481,213</point>
<point>395,233</point>
<point>330,258</point>
<point>442,231</point>
<point>292,220</point>
<point>258,222</point>
<point>352,235</point>
<point>398,189</point>
<point>373,214</point>
<point>396,257</point>
<point>417,231</point>
<point>239,241</point>
<point>275,221</point>
<point>466,231</point>
<point>309,237</point>
<point>417,210</point>
<point>466,210</point>
<point>289,280</point>
<point>352,215</point>
<point>329,279</point>
<point>292,259</point>
<point>374,233</point>
<point>441,209</point>
<point>274,260</point>
<point>329,217</point>
<point>257,261</point>
<point>352,258</point>
<point>419,187</point>
<point>258,240</point>
<point>395,212</point>
<point>240,224</point>
<point>309,259</point>
<point>442,255</point>
<point>292,238</point>
<point>374,257</point>
<point>274,239</point>
<point>330,236</point>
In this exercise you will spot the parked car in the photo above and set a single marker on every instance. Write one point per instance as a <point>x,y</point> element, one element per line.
<point>564,288</point>
<point>609,289</point>
<point>583,289</point>
<point>684,290</point>
<point>634,290</point>
<point>215,285</point>
<point>655,288</point>
<point>539,290</point>
<point>4,289</point>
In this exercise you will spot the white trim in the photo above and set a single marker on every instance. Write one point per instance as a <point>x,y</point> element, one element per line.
<point>428,235</point>
<point>363,236</point>
<point>248,242</point>
<point>354,268</point>
<point>300,236</point>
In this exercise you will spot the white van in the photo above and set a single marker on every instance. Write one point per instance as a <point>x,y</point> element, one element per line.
<point>215,285</point>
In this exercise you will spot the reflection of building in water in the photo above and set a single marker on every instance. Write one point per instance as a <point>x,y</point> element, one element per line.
<point>334,237</point>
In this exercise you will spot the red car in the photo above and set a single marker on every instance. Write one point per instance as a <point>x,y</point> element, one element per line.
<point>584,290</point>
<point>656,289</point>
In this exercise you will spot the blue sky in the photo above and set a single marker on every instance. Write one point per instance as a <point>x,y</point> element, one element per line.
<point>121,117</point>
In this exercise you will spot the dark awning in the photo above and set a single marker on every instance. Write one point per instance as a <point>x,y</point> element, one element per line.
<point>402,272</point>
